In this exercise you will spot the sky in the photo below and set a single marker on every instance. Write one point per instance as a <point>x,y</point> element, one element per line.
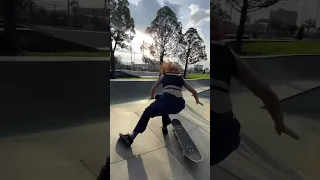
<point>191,13</point>
<point>294,5</point>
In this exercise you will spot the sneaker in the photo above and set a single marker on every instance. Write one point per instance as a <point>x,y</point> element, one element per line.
<point>164,130</point>
<point>126,138</point>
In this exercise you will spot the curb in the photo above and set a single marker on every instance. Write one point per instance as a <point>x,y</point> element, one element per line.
<point>276,56</point>
<point>50,59</point>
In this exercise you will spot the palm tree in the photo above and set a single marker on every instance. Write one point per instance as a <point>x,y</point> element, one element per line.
<point>310,23</point>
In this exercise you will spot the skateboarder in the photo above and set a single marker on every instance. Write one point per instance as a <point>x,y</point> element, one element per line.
<point>224,127</point>
<point>170,101</point>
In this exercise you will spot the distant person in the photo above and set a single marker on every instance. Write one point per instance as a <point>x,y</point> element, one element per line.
<point>224,127</point>
<point>299,35</point>
<point>169,102</point>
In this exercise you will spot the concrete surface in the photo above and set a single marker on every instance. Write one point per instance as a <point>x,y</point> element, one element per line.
<point>154,155</point>
<point>262,154</point>
<point>54,116</point>
<point>122,91</point>
<point>94,39</point>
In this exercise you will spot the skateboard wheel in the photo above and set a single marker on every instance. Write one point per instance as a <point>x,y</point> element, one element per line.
<point>183,153</point>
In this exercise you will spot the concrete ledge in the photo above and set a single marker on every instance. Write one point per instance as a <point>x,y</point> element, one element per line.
<point>278,56</point>
<point>50,58</point>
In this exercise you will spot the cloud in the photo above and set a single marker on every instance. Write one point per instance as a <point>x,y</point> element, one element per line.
<point>198,15</point>
<point>145,11</point>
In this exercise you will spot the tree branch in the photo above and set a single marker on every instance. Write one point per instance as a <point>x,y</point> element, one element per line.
<point>235,8</point>
<point>237,3</point>
<point>257,8</point>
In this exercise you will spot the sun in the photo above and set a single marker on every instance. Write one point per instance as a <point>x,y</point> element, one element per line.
<point>138,40</point>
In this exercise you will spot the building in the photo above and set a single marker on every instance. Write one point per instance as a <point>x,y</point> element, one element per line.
<point>198,67</point>
<point>286,18</point>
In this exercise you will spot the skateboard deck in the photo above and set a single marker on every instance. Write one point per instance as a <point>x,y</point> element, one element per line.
<point>190,150</point>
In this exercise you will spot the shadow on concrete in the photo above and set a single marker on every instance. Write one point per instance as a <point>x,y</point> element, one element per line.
<point>280,70</point>
<point>255,150</point>
<point>135,164</point>
<point>306,102</point>
<point>42,96</point>
<point>134,90</point>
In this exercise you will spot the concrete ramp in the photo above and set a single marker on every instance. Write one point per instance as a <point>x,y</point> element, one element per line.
<point>154,155</point>
<point>262,154</point>
<point>122,91</point>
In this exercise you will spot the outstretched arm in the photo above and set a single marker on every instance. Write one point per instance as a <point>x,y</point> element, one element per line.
<point>258,87</point>
<point>193,91</point>
<point>155,86</point>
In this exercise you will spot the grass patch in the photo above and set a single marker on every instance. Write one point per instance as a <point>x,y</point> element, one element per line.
<point>71,54</point>
<point>144,78</point>
<point>278,48</point>
<point>189,76</point>
<point>198,76</point>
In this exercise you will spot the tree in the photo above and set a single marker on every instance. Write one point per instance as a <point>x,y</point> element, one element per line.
<point>244,7</point>
<point>192,49</point>
<point>118,61</point>
<point>165,31</point>
<point>122,28</point>
<point>216,8</point>
<point>146,60</point>
<point>310,23</point>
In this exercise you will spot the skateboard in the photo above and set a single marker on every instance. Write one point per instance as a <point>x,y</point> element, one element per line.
<point>189,149</point>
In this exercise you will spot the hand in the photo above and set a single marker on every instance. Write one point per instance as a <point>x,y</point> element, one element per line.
<point>198,102</point>
<point>279,128</point>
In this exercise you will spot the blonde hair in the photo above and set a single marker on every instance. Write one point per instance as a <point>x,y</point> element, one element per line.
<point>169,67</point>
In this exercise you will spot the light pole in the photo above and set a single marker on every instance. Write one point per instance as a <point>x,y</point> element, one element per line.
<point>131,51</point>
<point>303,12</point>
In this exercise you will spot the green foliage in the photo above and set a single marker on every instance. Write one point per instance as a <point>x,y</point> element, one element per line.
<point>122,28</point>
<point>122,31</point>
<point>191,48</point>
<point>165,31</point>
<point>215,7</point>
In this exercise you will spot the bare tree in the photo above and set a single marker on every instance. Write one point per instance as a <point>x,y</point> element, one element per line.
<point>216,8</point>
<point>244,7</point>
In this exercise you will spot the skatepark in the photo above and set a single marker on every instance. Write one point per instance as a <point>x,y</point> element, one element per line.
<point>47,137</point>
<point>262,155</point>
<point>154,155</point>
<point>54,117</point>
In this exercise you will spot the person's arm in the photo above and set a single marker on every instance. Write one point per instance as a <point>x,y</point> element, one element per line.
<point>190,88</point>
<point>258,87</point>
<point>155,86</point>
